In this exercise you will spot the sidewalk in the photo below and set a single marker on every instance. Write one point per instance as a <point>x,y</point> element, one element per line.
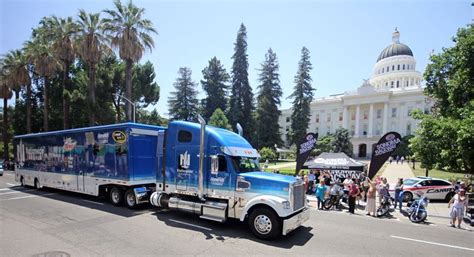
<point>394,171</point>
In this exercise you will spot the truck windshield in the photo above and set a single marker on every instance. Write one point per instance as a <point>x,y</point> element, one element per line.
<point>245,164</point>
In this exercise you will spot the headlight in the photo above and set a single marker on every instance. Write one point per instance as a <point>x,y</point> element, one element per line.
<point>286,205</point>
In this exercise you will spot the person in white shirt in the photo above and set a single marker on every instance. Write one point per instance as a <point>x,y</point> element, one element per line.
<point>459,202</point>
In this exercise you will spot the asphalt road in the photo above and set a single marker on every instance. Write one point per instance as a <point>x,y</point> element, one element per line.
<point>38,223</point>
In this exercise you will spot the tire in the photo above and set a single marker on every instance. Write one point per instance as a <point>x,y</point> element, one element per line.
<point>116,196</point>
<point>418,217</point>
<point>327,204</point>
<point>129,199</point>
<point>449,196</point>
<point>37,184</point>
<point>265,223</point>
<point>22,181</point>
<point>382,210</point>
<point>407,197</point>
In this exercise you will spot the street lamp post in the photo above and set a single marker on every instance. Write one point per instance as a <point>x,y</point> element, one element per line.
<point>131,103</point>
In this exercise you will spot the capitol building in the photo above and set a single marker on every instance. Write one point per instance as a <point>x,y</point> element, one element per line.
<point>381,104</point>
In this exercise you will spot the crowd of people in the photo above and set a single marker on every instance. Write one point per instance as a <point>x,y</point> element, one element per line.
<point>324,186</point>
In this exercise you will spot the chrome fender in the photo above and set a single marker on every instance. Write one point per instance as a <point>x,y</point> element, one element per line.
<point>274,202</point>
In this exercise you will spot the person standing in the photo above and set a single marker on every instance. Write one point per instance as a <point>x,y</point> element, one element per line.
<point>398,158</point>
<point>413,160</point>
<point>365,187</point>
<point>370,207</point>
<point>320,193</point>
<point>311,179</point>
<point>353,192</point>
<point>390,159</point>
<point>398,189</point>
<point>459,202</point>
<point>402,159</point>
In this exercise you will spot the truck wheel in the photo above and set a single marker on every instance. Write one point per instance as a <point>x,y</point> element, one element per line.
<point>37,184</point>
<point>265,223</point>
<point>116,196</point>
<point>130,199</point>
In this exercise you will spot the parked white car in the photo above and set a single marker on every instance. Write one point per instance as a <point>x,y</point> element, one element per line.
<point>435,189</point>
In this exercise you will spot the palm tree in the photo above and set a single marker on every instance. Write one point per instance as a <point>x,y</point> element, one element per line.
<point>60,31</point>
<point>131,35</point>
<point>5,93</point>
<point>17,76</point>
<point>40,55</point>
<point>91,43</point>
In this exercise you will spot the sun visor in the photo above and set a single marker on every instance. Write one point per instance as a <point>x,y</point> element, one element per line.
<point>240,151</point>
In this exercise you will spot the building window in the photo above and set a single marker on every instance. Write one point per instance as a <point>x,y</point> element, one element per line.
<point>328,117</point>
<point>403,66</point>
<point>394,112</point>
<point>328,131</point>
<point>340,116</point>
<point>407,83</point>
<point>317,118</point>
<point>382,70</point>
<point>393,67</point>
<point>388,69</point>
<point>379,113</point>
<point>398,67</point>
<point>391,84</point>
<point>364,130</point>
<point>352,130</point>
<point>317,129</point>
<point>366,114</point>
<point>408,129</point>
<point>287,119</point>
<point>353,116</point>
<point>378,130</point>
<point>398,84</point>
<point>386,84</point>
<point>408,66</point>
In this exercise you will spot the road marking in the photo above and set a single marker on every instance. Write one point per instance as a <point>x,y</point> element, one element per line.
<point>432,243</point>
<point>16,192</point>
<point>89,201</point>
<point>189,224</point>
<point>23,197</point>
<point>12,185</point>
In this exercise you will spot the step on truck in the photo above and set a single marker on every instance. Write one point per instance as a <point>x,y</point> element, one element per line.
<point>211,172</point>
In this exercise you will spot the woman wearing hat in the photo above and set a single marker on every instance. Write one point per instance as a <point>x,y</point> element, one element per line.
<point>459,202</point>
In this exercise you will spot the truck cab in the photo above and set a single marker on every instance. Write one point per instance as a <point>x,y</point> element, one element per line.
<point>215,173</point>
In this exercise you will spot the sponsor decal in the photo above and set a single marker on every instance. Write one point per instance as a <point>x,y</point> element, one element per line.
<point>184,160</point>
<point>119,137</point>
<point>69,144</point>
<point>217,181</point>
<point>305,148</point>
<point>90,138</point>
<point>382,150</point>
<point>439,190</point>
<point>103,138</point>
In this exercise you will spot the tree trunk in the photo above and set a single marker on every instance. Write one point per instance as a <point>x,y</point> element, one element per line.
<point>28,108</point>
<point>128,88</point>
<point>92,94</point>
<point>5,127</point>
<point>46,103</point>
<point>66,100</point>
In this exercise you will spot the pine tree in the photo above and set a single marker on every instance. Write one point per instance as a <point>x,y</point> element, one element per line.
<point>218,119</point>
<point>342,141</point>
<point>268,101</point>
<point>214,84</point>
<point>302,97</point>
<point>241,100</point>
<point>183,102</point>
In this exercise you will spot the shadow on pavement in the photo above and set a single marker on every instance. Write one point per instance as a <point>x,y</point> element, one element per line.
<point>232,228</point>
<point>88,201</point>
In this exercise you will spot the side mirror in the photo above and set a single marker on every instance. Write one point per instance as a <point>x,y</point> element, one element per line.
<point>242,184</point>
<point>214,164</point>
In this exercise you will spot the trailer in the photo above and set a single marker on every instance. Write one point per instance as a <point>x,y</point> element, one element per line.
<point>117,161</point>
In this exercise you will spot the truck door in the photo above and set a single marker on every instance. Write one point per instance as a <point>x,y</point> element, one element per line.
<point>220,177</point>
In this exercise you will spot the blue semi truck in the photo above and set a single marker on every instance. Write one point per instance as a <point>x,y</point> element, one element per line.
<point>191,167</point>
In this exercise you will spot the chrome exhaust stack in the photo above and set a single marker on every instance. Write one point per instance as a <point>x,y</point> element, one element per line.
<point>240,130</point>
<point>201,158</point>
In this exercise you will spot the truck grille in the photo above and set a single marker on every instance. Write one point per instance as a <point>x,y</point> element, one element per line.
<point>298,197</point>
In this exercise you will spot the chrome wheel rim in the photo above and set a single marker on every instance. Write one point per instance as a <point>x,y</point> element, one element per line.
<point>263,224</point>
<point>115,196</point>
<point>130,200</point>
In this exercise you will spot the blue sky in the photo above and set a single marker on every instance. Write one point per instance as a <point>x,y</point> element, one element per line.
<point>344,37</point>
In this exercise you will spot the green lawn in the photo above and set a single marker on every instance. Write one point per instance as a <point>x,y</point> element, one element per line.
<point>435,173</point>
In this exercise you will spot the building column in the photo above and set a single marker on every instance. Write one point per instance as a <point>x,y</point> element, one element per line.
<point>356,132</point>
<point>385,118</point>
<point>371,122</point>
<point>345,119</point>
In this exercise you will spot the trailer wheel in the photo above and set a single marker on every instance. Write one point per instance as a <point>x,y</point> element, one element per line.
<point>130,199</point>
<point>116,196</point>
<point>265,223</point>
<point>37,184</point>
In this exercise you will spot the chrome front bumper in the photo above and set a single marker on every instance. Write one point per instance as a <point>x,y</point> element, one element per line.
<point>295,221</point>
